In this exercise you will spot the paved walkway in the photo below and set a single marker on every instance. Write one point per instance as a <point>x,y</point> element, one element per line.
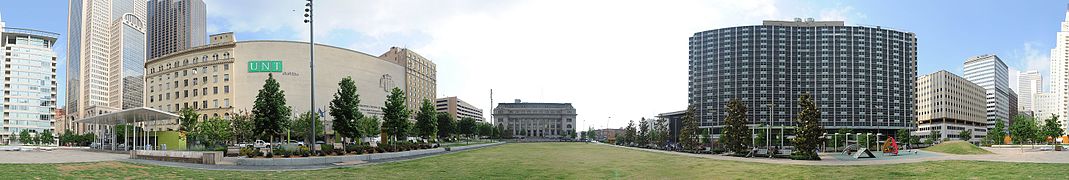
<point>829,159</point>
<point>57,156</point>
<point>232,167</point>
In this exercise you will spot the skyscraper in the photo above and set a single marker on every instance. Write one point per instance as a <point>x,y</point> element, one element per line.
<point>991,73</point>
<point>1059,72</point>
<point>420,75</point>
<point>30,87</point>
<point>862,78</point>
<point>98,31</point>
<point>1028,85</point>
<point>175,25</point>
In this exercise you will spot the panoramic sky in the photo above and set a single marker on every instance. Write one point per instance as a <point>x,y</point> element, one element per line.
<point>610,58</point>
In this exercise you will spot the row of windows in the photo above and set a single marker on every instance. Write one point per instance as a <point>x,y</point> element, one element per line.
<point>186,94</point>
<point>181,63</point>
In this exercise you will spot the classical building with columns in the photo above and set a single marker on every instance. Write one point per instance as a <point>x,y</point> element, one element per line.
<point>541,120</point>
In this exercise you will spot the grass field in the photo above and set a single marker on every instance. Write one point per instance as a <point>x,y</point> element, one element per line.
<point>957,147</point>
<point>559,161</point>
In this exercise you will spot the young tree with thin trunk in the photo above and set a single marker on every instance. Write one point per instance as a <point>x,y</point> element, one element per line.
<point>807,139</point>
<point>1051,128</point>
<point>447,125</point>
<point>270,113</point>
<point>736,136</point>
<point>395,116</point>
<point>997,134</point>
<point>643,132</point>
<point>965,135</point>
<point>427,120</point>
<point>345,109</point>
<point>688,134</point>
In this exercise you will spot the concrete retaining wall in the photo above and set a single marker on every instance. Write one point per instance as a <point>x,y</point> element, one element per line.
<point>337,159</point>
<point>202,157</point>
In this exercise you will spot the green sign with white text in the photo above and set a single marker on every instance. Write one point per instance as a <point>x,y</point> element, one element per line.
<point>265,66</point>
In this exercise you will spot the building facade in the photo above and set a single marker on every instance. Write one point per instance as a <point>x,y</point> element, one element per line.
<point>175,25</point>
<point>221,78</point>
<point>1045,105</point>
<point>536,120</point>
<point>127,71</point>
<point>675,123</point>
<point>989,72</point>
<point>862,78</point>
<point>950,104</point>
<point>96,31</point>
<point>420,75</point>
<point>1028,85</point>
<point>30,86</point>
<point>458,108</point>
<point>1059,72</point>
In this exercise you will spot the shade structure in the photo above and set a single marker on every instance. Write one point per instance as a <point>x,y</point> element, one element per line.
<point>135,115</point>
<point>132,139</point>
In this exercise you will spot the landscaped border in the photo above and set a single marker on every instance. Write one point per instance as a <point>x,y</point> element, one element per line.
<point>242,161</point>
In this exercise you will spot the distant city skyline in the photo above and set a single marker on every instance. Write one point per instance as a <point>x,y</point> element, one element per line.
<point>594,60</point>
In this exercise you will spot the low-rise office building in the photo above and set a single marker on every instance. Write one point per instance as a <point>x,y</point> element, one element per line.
<point>675,123</point>
<point>542,120</point>
<point>223,77</point>
<point>458,108</point>
<point>950,104</point>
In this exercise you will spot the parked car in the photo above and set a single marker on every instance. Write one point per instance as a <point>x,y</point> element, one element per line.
<point>257,144</point>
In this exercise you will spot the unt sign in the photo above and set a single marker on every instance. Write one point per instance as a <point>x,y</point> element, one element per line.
<point>265,66</point>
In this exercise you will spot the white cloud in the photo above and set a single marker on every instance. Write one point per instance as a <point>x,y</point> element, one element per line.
<point>1030,58</point>
<point>625,58</point>
<point>842,13</point>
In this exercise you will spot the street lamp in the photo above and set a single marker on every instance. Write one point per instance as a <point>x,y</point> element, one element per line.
<point>311,67</point>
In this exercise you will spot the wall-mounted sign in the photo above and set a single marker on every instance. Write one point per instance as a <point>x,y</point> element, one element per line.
<point>265,66</point>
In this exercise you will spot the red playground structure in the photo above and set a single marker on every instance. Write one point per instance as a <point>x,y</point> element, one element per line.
<point>890,146</point>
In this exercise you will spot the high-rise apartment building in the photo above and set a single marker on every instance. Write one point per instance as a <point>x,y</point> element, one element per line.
<point>458,108</point>
<point>950,104</point>
<point>97,53</point>
<point>29,78</point>
<point>420,75</point>
<point>1059,72</point>
<point>862,78</point>
<point>1028,85</point>
<point>990,72</point>
<point>175,25</point>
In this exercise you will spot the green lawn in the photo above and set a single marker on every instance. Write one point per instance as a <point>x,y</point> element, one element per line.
<point>560,161</point>
<point>957,147</point>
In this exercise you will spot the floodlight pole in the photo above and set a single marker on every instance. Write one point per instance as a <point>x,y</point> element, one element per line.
<point>311,72</point>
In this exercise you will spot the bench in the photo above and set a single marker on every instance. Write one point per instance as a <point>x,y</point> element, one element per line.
<point>200,157</point>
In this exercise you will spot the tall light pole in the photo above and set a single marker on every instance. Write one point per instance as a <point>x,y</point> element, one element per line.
<point>312,69</point>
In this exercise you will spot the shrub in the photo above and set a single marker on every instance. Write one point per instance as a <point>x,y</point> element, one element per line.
<point>327,148</point>
<point>302,151</point>
<point>248,152</point>
<point>352,148</point>
<point>270,154</point>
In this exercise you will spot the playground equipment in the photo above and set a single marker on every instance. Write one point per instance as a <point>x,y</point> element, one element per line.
<point>890,146</point>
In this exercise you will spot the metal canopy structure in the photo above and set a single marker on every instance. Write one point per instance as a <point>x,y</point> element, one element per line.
<point>135,115</point>
<point>138,118</point>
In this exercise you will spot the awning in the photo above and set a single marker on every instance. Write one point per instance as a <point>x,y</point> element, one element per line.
<point>135,115</point>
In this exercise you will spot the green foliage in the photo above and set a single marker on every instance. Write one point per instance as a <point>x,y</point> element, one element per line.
<point>660,132</point>
<point>270,113</point>
<point>933,136</point>
<point>995,135</point>
<point>242,127</point>
<point>369,125</point>
<point>760,135</point>
<point>345,109</point>
<point>213,132</point>
<point>506,133</point>
<point>1024,129</point>
<point>45,137</point>
<point>736,136</point>
<point>484,129</point>
<point>25,138</point>
<point>302,126</point>
<point>957,147</point>
<point>187,120</point>
<point>427,120</point>
<point>447,125</point>
<point>965,135</point>
<point>1051,128</point>
<point>249,152</point>
<point>396,123</point>
<point>629,134</point>
<point>688,134</point>
<point>808,131</point>
<point>902,136</point>
<point>644,132</point>
<point>466,126</point>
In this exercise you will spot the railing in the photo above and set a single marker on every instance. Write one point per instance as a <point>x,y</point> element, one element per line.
<point>31,32</point>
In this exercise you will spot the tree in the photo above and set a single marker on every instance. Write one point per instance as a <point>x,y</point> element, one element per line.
<point>504,133</point>
<point>427,120</point>
<point>187,122</point>
<point>25,138</point>
<point>965,135</point>
<point>301,126</point>
<point>688,135</point>
<point>396,123</point>
<point>591,133</point>
<point>45,137</point>
<point>736,135</point>
<point>760,136</point>
<point>1051,128</point>
<point>466,126</point>
<point>995,135</point>
<point>213,132</point>
<point>447,125</point>
<point>661,135</point>
<point>345,109</point>
<point>370,125</point>
<point>484,129</point>
<point>1023,129</point>
<point>629,134</point>
<point>808,131</point>
<point>644,132</point>
<point>242,126</point>
<point>270,113</point>
<point>121,130</point>
<point>933,137</point>
<point>902,136</point>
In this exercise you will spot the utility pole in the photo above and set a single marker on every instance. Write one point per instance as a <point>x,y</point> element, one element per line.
<point>312,69</point>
